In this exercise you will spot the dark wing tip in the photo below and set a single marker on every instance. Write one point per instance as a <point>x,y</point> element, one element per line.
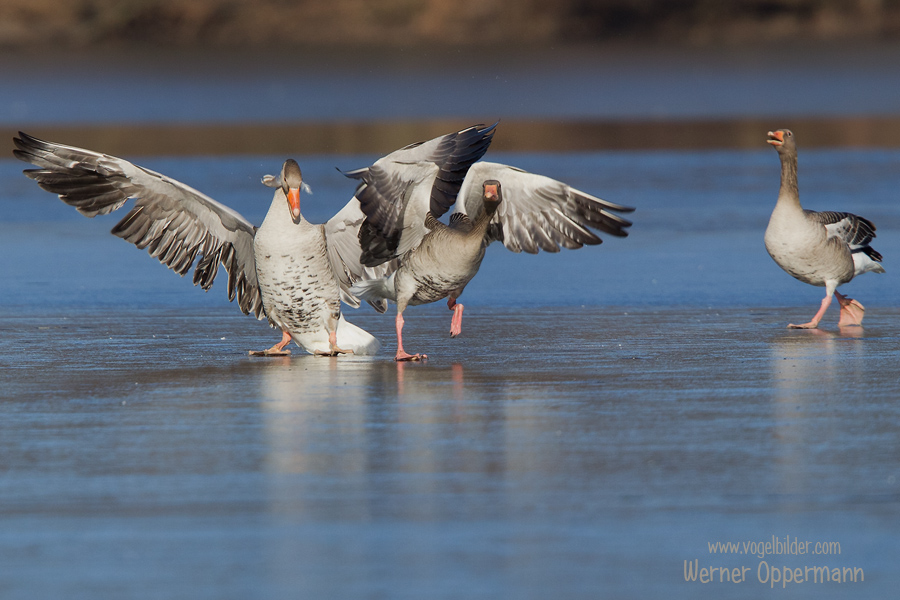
<point>872,253</point>
<point>24,156</point>
<point>454,156</point>
<point>28,142</point>
<point>26,146</point>
<point>482,128</point>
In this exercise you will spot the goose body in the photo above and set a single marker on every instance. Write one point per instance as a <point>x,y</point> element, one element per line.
<point>298,287</point>
<point>405,193</point>
<point>288,270</point>
<point>825,249</point>
<point>440,266</point>
<point>447,258</point>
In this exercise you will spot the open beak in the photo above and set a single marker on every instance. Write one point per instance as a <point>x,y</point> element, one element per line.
<point>776,138</point>
<point>293,199</point>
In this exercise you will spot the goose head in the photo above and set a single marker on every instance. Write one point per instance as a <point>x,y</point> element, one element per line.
<point>291,182</point>
<point>491,196</point>
<point>782,140</point>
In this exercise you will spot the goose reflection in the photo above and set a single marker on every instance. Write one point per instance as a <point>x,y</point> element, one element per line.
<point>345,433</point>
<point>809,374</point>
<point>352,415</point>
<point>315,412</point>
<point>457,379</point>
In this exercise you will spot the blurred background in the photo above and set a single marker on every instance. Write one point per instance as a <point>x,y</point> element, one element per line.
<point>285,24</point>
<point>225,76</point>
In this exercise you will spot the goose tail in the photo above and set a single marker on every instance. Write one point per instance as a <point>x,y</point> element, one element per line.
<point>375,290</point>
<point>351,337</point>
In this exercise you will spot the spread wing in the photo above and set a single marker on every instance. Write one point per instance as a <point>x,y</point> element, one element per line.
<point>401,188</point>
<point>174,222</point>
<point>540,213</point>
<point>343,247</point>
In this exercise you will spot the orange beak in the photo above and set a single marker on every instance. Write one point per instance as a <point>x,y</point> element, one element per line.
<point>776,138</point>
<point>490,193</point>
<point>293,199</point>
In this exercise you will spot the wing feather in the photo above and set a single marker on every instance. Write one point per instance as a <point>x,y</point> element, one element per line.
<point>398,190</point>
<point>856,231</point>
<point>174,222</point>
<point>540,213</point>
<point>342,241</point>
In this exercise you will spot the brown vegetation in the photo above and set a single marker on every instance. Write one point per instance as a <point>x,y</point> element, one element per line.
<point>378,137</point>
<point>61,24</point>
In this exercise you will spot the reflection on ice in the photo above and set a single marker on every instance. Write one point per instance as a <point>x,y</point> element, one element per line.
<point>809,372</point>
<point>540,441</point>
<point>307,401</point>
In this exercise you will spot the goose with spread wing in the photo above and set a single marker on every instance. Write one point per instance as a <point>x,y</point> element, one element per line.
<point>825,249</point>
<point>288,270</point>
<point>403,200</point>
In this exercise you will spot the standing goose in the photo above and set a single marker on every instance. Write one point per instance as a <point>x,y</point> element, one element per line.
<point>493,202</point>
<point>820,248</point>
<point>440,266</point>
<point>293,272</point>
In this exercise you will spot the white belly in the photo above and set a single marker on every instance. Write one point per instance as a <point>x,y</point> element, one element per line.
<point>298,289</point>
<point>805,252</point>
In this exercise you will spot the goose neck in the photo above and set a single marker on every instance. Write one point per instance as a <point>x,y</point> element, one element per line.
<point>789,187</point>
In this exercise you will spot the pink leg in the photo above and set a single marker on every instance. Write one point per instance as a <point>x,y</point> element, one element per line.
<point>815,320</point>
<point>402,354</point>
<point>852,312</point>
<point>276,350</point>
<point>456,321</point>
<point>332,343</point>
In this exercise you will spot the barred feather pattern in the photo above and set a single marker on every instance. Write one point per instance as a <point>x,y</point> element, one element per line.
<point>176,224</point>
<point>855,230</point>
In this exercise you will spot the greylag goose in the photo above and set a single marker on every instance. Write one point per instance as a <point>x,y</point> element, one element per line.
<point>403,200</point>
<point>820,248</point>
<point>293,272</point>
<point>440,266</point>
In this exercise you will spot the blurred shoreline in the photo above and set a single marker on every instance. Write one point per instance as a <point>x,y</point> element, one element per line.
<point>526,135</point>
<point>147,95</point>
<point>276,24</point>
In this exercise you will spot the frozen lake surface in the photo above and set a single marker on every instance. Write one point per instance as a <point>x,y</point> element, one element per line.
<point>564,451</point>
<point>606,415</point>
